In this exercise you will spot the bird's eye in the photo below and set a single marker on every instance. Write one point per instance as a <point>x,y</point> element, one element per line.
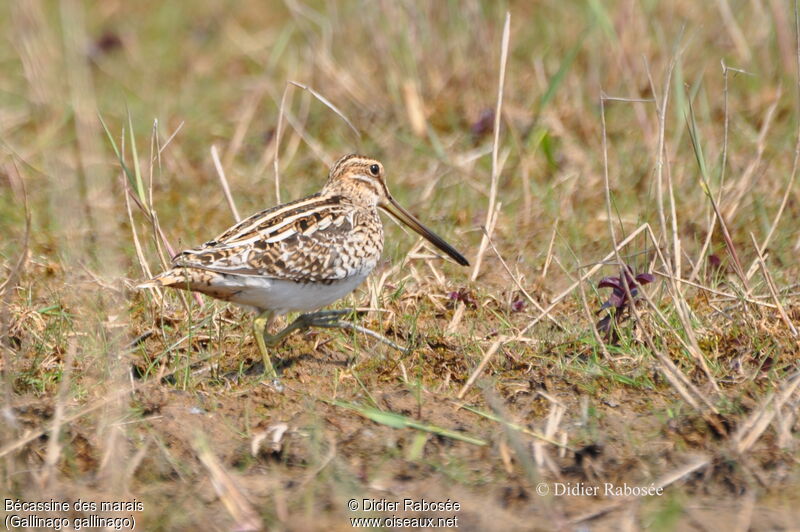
<point>375,170</point>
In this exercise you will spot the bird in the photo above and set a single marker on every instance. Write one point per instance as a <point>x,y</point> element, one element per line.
<point>300,256</point>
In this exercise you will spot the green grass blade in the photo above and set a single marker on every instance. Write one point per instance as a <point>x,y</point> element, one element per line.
<point>116,151</point>
<point>515,426</point>
<point>563,68</point>
<point>603,19</point>
<point>136,170</point>
<point>399,421</point>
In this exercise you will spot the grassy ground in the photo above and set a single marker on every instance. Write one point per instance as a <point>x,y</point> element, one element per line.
<point>660,135</point>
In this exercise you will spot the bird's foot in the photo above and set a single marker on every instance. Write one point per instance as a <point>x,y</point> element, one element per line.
<point>329,319</point>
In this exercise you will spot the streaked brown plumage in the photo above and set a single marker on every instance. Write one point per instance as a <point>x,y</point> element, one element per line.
<point>301,255</point>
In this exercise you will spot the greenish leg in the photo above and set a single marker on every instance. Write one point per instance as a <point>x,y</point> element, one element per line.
<point>260,332</point>
<point>327,319</point>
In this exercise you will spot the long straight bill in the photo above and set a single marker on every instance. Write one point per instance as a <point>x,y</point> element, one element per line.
<point>394,208</point>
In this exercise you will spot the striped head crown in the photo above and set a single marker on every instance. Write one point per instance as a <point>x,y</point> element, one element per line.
<point>359,178</point>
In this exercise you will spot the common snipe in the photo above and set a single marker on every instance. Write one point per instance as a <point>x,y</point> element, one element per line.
<point>299,256</point>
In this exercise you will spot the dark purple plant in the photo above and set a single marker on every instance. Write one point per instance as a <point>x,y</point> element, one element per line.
<point>620,299</point>
<point>483,124</point>
<point>716,268</point>
<point>464,296</point>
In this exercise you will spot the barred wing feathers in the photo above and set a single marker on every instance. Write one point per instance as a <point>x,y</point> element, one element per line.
<point>312,240</point>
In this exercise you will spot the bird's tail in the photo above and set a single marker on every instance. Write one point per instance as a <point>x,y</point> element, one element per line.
<point>167,278</point>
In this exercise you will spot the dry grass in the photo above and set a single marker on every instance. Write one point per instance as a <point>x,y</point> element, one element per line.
<point>614,136</point>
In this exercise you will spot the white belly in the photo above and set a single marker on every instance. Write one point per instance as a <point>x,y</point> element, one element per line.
<point>281,296</point>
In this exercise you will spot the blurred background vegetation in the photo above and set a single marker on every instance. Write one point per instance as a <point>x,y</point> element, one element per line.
<point>419,80</point>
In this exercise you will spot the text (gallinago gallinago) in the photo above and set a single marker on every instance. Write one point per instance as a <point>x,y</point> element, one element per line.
<point>299,256</point>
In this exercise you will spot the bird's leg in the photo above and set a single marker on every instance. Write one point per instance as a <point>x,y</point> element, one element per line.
<point>326,319</point>
<point>271,340</point>
<point>329,319</point>
<point>263,339</point>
